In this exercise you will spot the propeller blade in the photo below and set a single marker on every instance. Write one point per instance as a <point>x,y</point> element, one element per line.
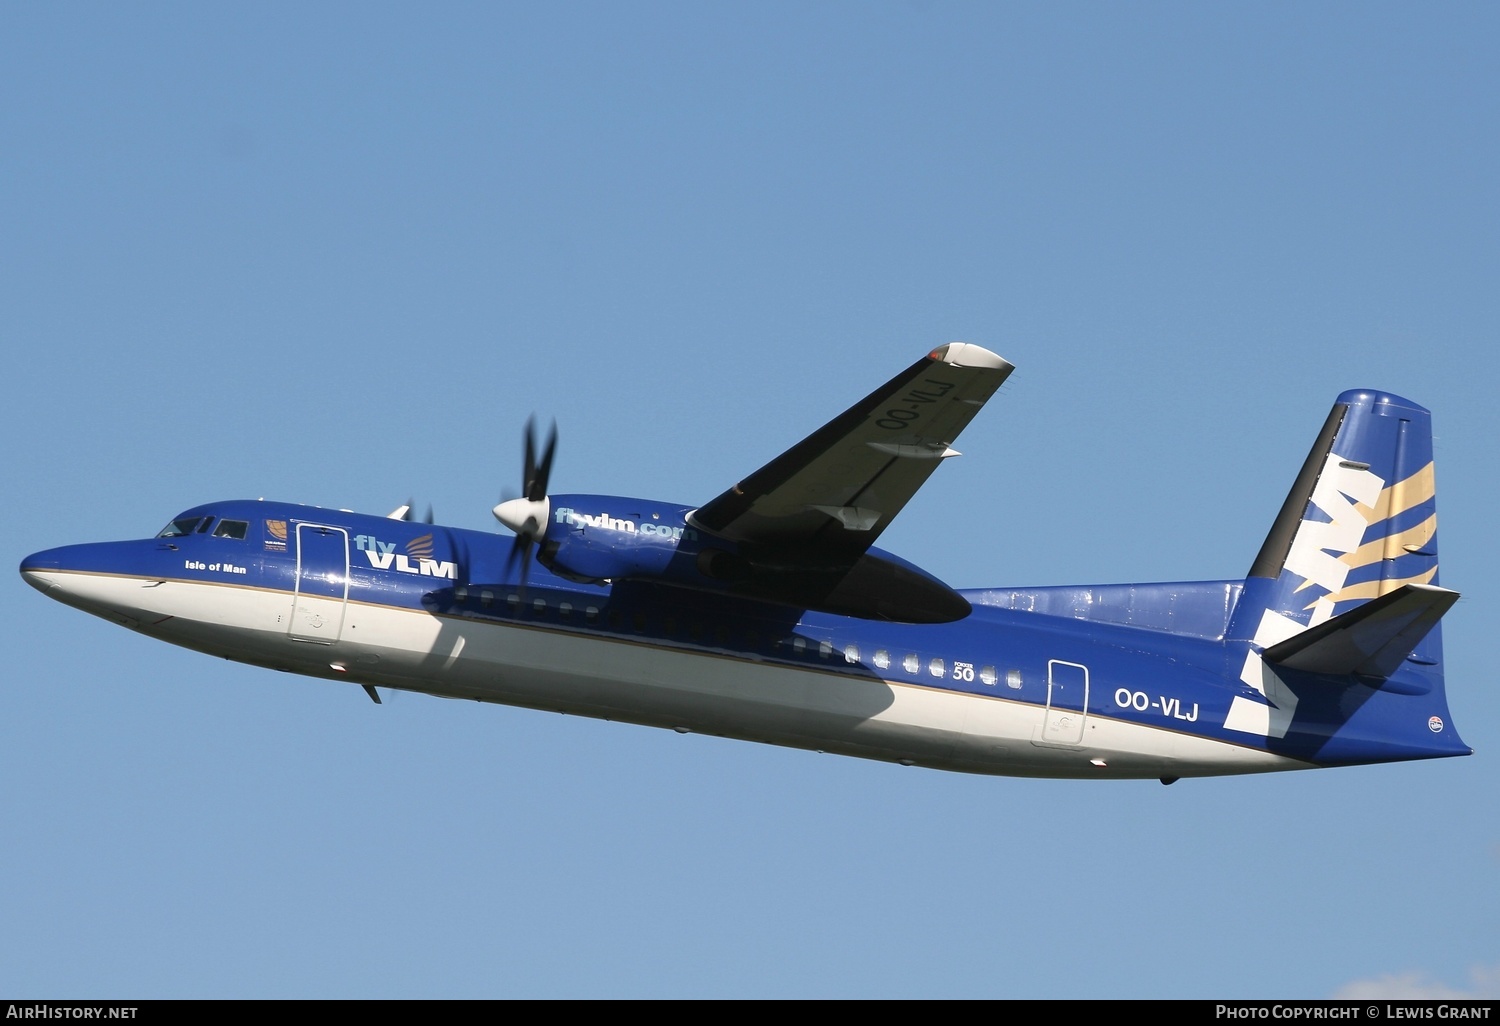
<point>537,487</point>
<point>525,569</point>
<point>408,514</point>
<point>520,548</point>
<point>528,468</point>
<point>534,477</point>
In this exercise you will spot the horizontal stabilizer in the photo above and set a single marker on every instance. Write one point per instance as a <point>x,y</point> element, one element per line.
<point>1372,639</point>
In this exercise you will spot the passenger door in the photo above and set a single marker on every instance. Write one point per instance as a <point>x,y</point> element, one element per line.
<point>322,589</point>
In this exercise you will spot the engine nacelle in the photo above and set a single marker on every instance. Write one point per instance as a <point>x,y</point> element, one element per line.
<point>608,537</point>
<point>598,538</point>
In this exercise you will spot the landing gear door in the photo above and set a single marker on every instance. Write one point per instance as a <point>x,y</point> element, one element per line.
<point>1067,702</point>
<point>322,584</point>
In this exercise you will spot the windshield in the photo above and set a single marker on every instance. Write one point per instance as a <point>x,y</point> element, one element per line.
<point>177,528</point>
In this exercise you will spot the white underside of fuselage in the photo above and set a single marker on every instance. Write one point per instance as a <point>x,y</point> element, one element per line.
<point>634,680</point>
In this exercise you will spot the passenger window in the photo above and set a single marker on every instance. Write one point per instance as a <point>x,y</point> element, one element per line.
<point>234,529</point>
<point>988,675</point>
<point>936,667</point>
<point>851,653</point>
<point>911,664</point>
<point>882,658</point>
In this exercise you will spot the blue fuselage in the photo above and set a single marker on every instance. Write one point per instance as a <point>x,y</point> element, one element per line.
<point>1120,681</point>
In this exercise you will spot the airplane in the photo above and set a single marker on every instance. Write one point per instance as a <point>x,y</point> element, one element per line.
<point>767,613</point>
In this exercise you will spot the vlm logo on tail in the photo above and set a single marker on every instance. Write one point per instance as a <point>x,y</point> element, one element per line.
<point>1355,539</point>
<point>1320,551</point>
<point>1317,555</point>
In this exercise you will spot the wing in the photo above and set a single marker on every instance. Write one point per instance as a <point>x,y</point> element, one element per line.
<point>833,493</point>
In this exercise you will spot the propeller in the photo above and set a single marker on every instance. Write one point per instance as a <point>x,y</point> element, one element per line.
<point>405,513</point>
<point>427,517</point>
<point>527,515</point>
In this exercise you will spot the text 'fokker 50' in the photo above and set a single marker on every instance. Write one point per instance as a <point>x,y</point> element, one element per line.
<point>767,613</point>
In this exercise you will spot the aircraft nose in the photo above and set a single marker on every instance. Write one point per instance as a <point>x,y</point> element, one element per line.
<point>103,578</point>
<point>39,568</point>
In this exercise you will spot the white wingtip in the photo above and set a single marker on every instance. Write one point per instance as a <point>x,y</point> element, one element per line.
<point>967,354</point>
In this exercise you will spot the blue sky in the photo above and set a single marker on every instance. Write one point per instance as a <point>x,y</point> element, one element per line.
<point>338,255</point>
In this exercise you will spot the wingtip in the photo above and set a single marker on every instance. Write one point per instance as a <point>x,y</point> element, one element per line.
<point>967,354</point>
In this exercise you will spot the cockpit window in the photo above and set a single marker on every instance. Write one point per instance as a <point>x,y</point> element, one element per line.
<point>177,528</point>
<point>232,529</point>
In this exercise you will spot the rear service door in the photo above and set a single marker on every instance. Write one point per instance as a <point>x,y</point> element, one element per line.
<point>1067,702</point>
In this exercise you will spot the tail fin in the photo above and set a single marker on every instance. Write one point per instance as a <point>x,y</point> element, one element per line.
<point>1346,582</point>
<point>1361,519</point>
